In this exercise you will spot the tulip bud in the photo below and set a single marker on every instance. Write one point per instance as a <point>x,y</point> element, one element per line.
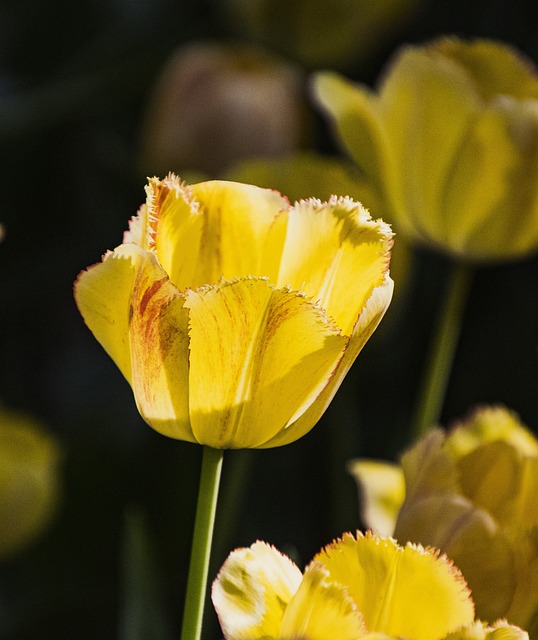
<point>215,104</point>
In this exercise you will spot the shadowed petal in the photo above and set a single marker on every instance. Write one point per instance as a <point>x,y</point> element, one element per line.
<point>137,315</point>
<point>321,610</point>
<point>259,357</point>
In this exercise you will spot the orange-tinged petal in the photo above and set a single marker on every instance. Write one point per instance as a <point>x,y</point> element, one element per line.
<point>212,230</point>
<point>404,591</point>
<point>160,352</point>
<point>252,591</point>
<point>321,610</point>
<point>335,254</point>
<point>137,315</point>
<point>259,357</point>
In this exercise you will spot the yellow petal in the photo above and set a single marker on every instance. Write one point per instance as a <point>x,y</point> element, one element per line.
<point>501,630</point>
<point>490,476</point>
<point>356,115</point>
<point>524,606</point>
<point>335,254</point>
<point>103,296</point>
<point>488,424</point>
<point>212,230</point>
<point>308,175</point>
<point>137,315</point>
<point>369,319</point>
<point>477,186</point>
<point>252,591</point>
<point>472,539</point>
<point>259,357</point>
<point>495,68</point>
<point>381,493</point>
<point>524,513</point>
<point>409,592</point>
<point>321,610</point>
<point>425,134</point>
<point>429,468</point>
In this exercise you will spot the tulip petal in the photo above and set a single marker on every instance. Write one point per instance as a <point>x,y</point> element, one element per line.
<point>478,631</point>
<point>409,592</point>
<point>307,174</point>
<point>356,117</point>
<point>488,424</point>
<point>524,606</point>
<point>381,491</point>
<point>259,357</point>
<point>252,590</point>
<point>490,476</point>
<point>208,231</point>
<point>335,254</point>
<point>321,610</point>
<point>137,315</point>
<point>428,467</point>
<point>368,321</point>
<point>471,538</point>
<point>103,296</point>
<point>478,185</point>
<point>427,103</point>
<point>496,68</point>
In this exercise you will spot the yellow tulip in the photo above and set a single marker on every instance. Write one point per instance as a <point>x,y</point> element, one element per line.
<point>357,587</point>
<point>472,493</point>
<point>29,485</point>
<point>233,315</point>
<point>451,140</point>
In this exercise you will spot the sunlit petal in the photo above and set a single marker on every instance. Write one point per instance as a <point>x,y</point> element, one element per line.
<point>259,357</point>
<point>252,591</point>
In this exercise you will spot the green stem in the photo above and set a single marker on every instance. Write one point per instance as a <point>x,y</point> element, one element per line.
<point>201,544</point>
<point>442,350</point>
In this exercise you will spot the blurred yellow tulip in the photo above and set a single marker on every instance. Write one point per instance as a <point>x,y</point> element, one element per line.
<point>357,587</point>
<point>29,485</point>
<point>473,493</point>
<point>233,315</point>
<point>451,141</point>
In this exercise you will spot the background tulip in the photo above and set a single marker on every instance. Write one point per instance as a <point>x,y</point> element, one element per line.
<point>473,494</point>
<point>451,139</point>
<point>29,480</point>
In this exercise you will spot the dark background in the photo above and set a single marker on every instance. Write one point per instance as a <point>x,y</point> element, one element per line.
<point>75,79</point>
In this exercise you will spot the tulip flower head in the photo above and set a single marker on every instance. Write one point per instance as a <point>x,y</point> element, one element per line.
<point>357,587</point>
<point>233,315</point>
<point>451,140</point>
<point>472,493</point>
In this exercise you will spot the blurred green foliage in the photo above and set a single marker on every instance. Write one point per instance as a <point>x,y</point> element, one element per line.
<point>75,83</point>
